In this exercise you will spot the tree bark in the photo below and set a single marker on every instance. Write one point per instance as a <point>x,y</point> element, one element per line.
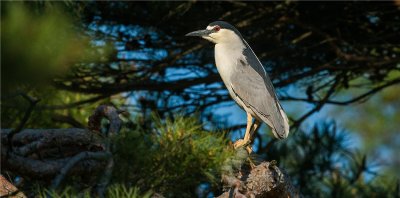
<point>265,180</point>
<point>41,153</point>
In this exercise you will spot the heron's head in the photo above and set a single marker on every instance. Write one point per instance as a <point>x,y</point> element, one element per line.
<point>219,32</point>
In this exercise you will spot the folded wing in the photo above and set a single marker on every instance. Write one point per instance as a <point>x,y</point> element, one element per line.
<point>251,84</point>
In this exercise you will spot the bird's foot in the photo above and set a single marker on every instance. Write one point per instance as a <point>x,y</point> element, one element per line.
<point>242,143</point>
<point>239,143</point>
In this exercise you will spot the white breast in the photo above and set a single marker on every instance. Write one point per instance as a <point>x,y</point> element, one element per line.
<point>225,63</point>
<point>227,57</point>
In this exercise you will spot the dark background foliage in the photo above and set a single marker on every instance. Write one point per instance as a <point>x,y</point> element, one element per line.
<point>76,55</point>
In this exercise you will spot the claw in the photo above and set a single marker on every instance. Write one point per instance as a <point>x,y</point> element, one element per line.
<point>242,143</point>
<point>239,143</point>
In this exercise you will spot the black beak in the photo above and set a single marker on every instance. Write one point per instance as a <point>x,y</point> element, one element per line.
<point>199,33</point>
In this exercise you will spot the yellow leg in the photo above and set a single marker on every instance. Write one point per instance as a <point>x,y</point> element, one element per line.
<point>253,130</point>
<point>250,137</point>
<point>248,128</point>
<point>242,142</point>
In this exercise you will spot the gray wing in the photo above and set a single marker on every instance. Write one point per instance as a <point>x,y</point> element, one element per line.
<point>251,84</point>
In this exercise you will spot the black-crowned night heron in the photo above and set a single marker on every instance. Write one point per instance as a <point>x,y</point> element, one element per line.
<point>246,79</point>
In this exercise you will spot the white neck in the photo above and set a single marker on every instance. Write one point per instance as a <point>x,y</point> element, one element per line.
<point>227,57</point>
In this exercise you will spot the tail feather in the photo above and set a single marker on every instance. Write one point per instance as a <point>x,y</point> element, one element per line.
<point>281,129</point>
<point>285,122</point>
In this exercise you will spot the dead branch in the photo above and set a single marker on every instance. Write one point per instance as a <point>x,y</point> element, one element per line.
<point>108,112</point>
<point>30,141</point>
<point>265,180</point>
<point>74,160</point>
<point>112,115</point>
<point>41,153</point>
<point>105,179</point>
<point>45,154</point>
<point>32,104</point>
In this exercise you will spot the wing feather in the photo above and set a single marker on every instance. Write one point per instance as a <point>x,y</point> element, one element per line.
<point>251,84</point>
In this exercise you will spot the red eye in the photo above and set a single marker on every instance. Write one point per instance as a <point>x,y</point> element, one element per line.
<point>217,28</point>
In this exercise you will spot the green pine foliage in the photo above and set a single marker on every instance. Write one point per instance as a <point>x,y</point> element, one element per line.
<point>113,191</point>
<point>173,158</point>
